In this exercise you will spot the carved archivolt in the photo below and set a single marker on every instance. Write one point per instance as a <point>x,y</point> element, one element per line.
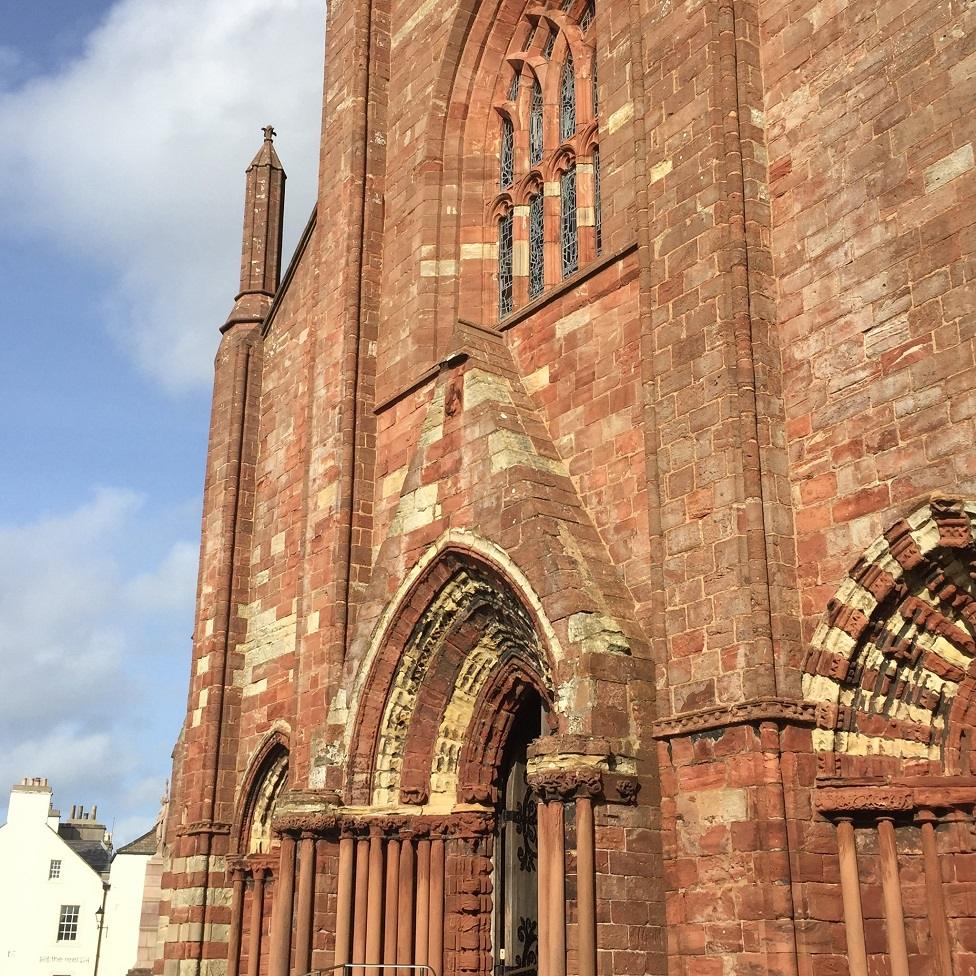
<point>266,786</point>
<point>417,707</point>
<point>892,664</point>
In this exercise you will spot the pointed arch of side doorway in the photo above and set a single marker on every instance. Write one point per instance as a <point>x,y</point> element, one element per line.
<point>457,855</point>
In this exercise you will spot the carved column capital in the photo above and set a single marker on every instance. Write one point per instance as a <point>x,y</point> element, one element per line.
<point>563,784</point>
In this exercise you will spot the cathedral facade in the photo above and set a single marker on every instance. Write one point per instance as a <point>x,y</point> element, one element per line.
<point>588,577</point>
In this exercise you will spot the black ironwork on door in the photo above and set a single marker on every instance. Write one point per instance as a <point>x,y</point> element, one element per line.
<point>516,861</point>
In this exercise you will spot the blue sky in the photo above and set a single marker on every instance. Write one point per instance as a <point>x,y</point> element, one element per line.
<point>127,126</point>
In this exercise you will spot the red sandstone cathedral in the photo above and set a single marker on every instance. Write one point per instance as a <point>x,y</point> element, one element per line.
<point>588,577</point>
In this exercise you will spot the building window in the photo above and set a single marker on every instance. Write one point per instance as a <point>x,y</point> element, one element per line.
<point>555,123</point>
<point>535,125</point>
<point>68,923</point>
<point>507,155</point>
<point>568,234</point>
<point>54,870</point>
<point>537,237</point>
<point>597,208</point>
<point>505,265</point>
<point>596,89</point>
<point>588,14</point>
<point>549,45</point>
<point>567,101</point>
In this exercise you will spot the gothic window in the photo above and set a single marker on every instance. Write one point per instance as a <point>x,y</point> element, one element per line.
<point>597,208</point>
<point>589,13</point>
<point>537,237</point>
<point>568,232</point>
<point>567,101</point>
<point>596,88</point>
<point>506,167</point>
<point>549,45</point>
<point>555,124</point>
<point>535,125</point>
<point>505,250</point>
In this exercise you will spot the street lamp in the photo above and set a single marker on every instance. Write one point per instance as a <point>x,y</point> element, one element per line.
<point>100,918</point>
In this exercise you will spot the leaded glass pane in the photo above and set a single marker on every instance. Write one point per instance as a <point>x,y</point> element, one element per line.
<point>589,12</point>
<point>567,101</point>
<point>506,174</point>
<point>505,265</point>
<point>530,37</point>
<point>566,4</point>
<point>569,235</point>
<point>596,89</point>
<point>537,238</point>
<point>535,125</point>
<point>550,44</point>
<point>597,208</point>
<point>513,88</point>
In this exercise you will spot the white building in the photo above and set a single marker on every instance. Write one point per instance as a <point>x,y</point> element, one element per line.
<point>62,886</point>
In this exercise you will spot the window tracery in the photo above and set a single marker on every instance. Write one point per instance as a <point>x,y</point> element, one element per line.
<point>506,166</point>
<point>535,125</point>
<point>537,239</point>
<point>597,210</point>
<point>505,269</point>
<point>549,45</point>
<point>546,100</point>
<point>568,230</point>
<point>567,100</point>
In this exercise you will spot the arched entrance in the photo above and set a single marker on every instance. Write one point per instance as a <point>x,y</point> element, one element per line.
<point>516,861</point>
<point>457,758</point>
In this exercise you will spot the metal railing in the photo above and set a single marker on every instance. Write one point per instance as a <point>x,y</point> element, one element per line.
<point>348,967</point>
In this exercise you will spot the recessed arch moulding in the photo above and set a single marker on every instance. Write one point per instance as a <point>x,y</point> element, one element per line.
<point>893,664</point>
<point>433,693</point>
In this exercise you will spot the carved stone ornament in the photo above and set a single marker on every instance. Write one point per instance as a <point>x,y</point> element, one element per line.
<point>627,788</point>
<point>476,793</point>
<point>786,710</point>
<point>563,784</point>
<point>414,795</point>
<point>202,827</point>
<point>297,823</point>
<point>854,799</point>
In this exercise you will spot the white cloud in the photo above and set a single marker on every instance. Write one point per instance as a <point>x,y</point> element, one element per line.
<point>133,155</point>
<point>85,647</point>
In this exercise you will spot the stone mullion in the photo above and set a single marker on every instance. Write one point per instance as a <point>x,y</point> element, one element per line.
<point>585,210</point>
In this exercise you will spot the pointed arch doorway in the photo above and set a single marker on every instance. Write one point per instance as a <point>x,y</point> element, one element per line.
<point>516,850</point>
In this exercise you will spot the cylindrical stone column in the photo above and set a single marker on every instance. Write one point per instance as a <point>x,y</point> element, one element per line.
<point>374,901</point>
<point>850,888</point>
<point>392,901</point>
<point>306,904</point>
<point>257,924</point>
<point>938,921</point>
<point>347,854</point>
<point>282,910</point>
<point>359,912</point>
<point>435,940</point>
<point>422,928</point>
<point>557,888</point>
<point>236,921</point>
<point>542,883</point>
<point>891,890</point>
<point>585,886</point>
<point>404,953</point>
